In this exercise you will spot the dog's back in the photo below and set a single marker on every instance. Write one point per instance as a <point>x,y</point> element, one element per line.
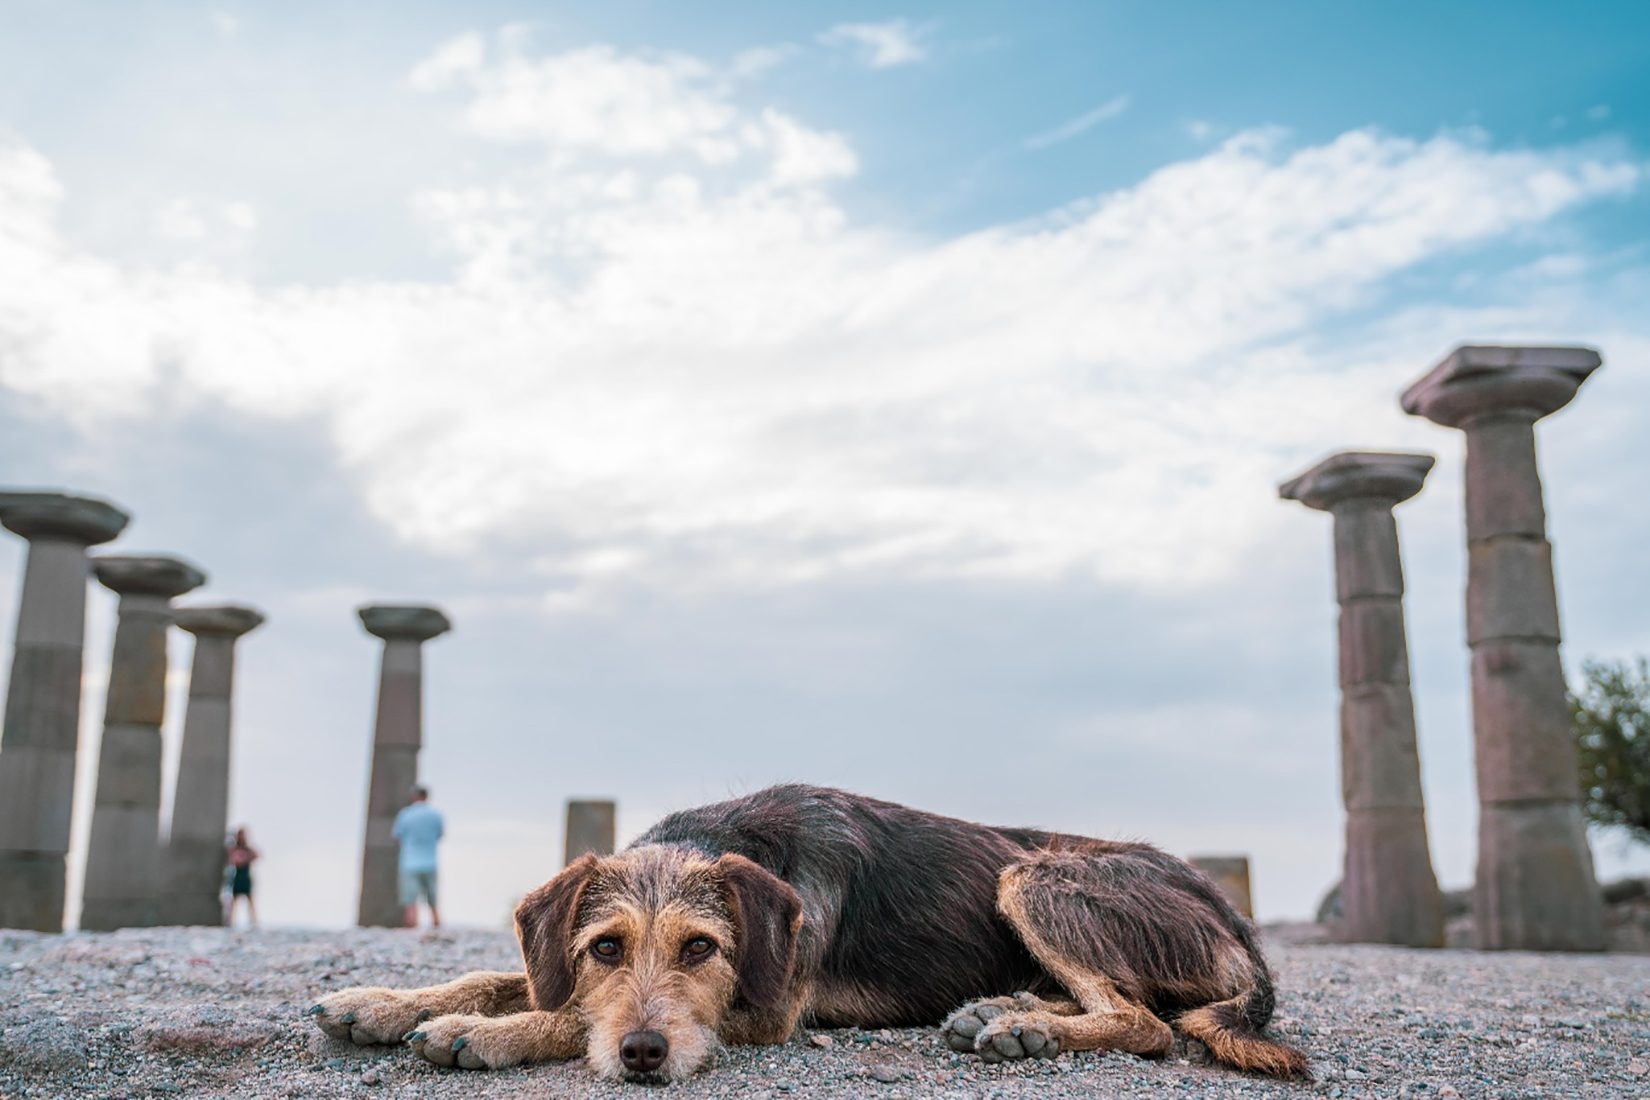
<point>899,906</point>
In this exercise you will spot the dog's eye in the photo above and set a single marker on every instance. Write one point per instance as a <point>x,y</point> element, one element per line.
<point>606,948</point>
<point>697,949</point>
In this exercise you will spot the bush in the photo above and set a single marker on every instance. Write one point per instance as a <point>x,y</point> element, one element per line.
<point>1612,721</point>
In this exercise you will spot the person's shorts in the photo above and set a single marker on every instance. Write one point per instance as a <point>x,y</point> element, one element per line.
<point>416,884</point>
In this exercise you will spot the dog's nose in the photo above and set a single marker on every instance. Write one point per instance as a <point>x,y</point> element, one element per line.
<point>643,1051</point>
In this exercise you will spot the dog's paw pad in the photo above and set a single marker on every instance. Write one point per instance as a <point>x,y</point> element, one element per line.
<point>962,1028</point>
<point>1011,1037</point>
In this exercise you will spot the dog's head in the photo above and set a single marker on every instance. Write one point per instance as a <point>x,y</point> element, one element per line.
<point>653,946</point>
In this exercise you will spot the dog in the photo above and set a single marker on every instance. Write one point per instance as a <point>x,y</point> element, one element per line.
<point>734,923</point>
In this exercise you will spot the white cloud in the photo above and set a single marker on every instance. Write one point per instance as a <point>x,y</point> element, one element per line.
<point>226,224</point>
<point>880,45</point>
<point>711,375</point>
<point>1086,121</point>
<point>592,99</point>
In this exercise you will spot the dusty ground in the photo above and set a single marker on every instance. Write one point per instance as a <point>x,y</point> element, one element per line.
<point>198,1012</point>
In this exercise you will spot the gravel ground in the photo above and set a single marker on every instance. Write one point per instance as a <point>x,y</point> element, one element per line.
<point>208,1012</point>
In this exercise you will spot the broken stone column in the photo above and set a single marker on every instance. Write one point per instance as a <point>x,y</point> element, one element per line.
<point>1535,887</point>
<point>42,723</point>
<point>1388,888</point>
<point>590,828</point>
<point>200,804</point>
<point>123,860</point>
<point>397,736</point>
<point>1231,874</point>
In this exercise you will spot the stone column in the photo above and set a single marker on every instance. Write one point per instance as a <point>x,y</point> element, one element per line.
<point>1231,874</point>
<point>200,806</point>
<point>397,736</point>
<point>1388,889</point>
<point>1535,888</point>
<point>42,723</point>
<point>590,828</point>
<point>123,861</point>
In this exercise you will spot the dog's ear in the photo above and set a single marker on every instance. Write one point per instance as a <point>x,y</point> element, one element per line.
<point>544,925</point>
<point>767,913</point>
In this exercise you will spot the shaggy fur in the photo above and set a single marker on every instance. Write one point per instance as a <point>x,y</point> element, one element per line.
<point>736,922</point>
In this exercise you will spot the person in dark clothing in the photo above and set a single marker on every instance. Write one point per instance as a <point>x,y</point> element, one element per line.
<point>240,857</point>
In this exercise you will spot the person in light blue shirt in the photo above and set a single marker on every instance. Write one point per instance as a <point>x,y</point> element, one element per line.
<point>419,827</point>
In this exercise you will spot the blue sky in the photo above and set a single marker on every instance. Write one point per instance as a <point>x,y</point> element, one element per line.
<point>887,397</point>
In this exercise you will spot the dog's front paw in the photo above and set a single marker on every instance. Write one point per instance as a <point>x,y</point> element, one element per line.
<point>962,1028</point>
<point>473,1042</point>
<point>368,1015</point>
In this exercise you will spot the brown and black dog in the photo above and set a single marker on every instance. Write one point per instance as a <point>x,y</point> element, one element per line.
<point>733,923</point>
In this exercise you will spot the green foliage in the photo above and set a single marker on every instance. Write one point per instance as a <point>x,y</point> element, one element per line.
<point>1612,719</point>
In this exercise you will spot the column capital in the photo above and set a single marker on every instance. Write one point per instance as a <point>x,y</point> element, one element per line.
<point>1385,477</point>
<point>228,620</point>
<point>1473,381</point>
<point>35,514</point>
<point>147,574</point>
<point>412,622</point>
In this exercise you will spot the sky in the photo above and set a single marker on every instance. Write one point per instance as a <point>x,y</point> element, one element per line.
<point>888,397</point>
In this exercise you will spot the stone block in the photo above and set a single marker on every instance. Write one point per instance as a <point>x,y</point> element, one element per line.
<point>1536,890</point>
<point>1510,591</point>
<point>1380,764</point>
<point>1389,893</point>
<point>1367,561</point>
<point>1231,874</point>
<point>1523,739</point>
<point>1374,649</point>
<point>1503,483</point>
<point>590,828</point>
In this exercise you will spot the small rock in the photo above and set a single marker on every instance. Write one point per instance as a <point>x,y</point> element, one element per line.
<point>1638,1068</point>
<point>885,1073</point>
<point>335,1063</point>
<point>1530,1021</point>
<point>821,1041</point>
<point>1448,1090</point>
<point>45,1046</point>
<point>371,1077</point>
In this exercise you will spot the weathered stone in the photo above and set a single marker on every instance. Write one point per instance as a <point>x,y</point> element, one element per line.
<point>1523,737</point>
<point>1535,887</point>
<point>42,716</point>
<point>1390,890</point>
<point>1380,763</point>
<point>124,870</point>
<point>1515,598</point>
<point>1373,647</point>
<point>200,806</point>
<point>1231,874</point>
<point>397,737</point>
<point>590,828</point>
<point>1381,892</point>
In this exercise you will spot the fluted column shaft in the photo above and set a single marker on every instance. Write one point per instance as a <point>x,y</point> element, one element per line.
<point>42,718</point>
<point>123,859</point>
<point>1535,888</point>
<point>398,734</point>
<point>200,804</point>
<point>1389,892</point>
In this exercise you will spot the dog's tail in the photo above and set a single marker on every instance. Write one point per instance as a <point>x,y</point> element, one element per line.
<point>1232,1030</point>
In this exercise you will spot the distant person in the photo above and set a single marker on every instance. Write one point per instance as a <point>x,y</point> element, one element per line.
<point>419,827</point>
<point>240,856</point>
